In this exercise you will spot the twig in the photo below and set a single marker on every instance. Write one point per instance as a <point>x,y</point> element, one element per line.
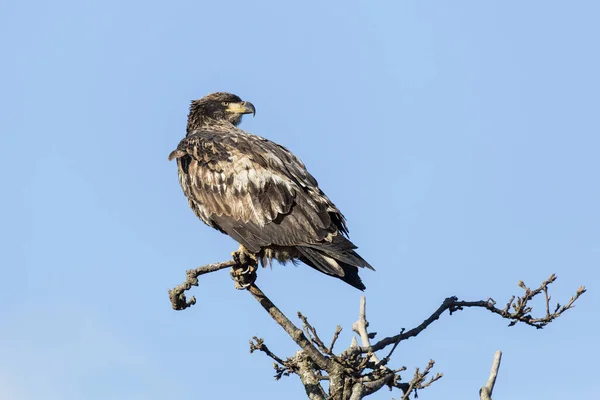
<point>521,313</point>
<point>418,381</point>
<point>296,334</point>
<point>485,393</point>
<point>177,294</point>
<point>281,367</point>
<point>336,335</point>
<point>386,359</point>
<point>311,332</point>
<point>259,344</point>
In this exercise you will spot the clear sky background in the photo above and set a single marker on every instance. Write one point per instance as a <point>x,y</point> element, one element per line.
<point>460,139</point>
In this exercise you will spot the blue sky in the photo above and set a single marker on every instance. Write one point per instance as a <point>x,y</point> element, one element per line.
<point>460,139</point>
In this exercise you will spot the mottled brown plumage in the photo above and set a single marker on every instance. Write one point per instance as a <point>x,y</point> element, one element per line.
<point>259,193</point>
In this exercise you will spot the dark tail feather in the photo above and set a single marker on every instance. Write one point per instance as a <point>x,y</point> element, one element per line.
<point>326,263</point>
<point>351,276</point>
<point>342,250</point>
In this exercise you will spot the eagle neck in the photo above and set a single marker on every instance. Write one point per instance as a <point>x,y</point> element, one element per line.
<point>209,124</point>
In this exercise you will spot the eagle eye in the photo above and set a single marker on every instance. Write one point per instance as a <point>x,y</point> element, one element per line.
<point>225,103</point>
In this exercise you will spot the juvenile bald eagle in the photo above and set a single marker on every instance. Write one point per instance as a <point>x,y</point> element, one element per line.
<point>259,193</point>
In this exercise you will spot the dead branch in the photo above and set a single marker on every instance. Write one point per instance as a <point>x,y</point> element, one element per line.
<point>336,335</point>
<point>259,344</point>
<point>311,333</point>
<point>177,294</point>
<point>306,372</point>
<point>418,380</point>
<point>357,392</point>
<point>296,334</point>
<point>521,312</point>
<point>485,393</point>
<point>358,372</point>
<point>381,374</point>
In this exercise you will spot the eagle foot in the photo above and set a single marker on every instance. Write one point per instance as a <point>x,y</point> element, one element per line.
<point>243,257</point>
<point>243,276</point>
<point>244,273</point>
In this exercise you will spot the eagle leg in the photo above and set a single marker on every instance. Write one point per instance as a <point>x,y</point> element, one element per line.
<point>244,273</point>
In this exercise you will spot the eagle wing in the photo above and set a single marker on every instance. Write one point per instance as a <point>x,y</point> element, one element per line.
<point>261,195</point>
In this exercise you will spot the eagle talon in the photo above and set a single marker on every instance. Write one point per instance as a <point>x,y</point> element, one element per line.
<point>244,273</point>
<point>238,271</point>
<point>243,277</point>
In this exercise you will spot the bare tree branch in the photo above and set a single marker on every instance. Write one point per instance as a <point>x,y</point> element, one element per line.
<point>485,393</point>
<point>382,375</point>
<point>361,325</point>
<point>311,382</point>
<point>311,332</point>
<point>357,392</point>
<point>391,379</point>
<point>358,372</point>
<point>177,294</point>
<point>521,312</point>
<point>418,380</point>
<point>259,344</point>
<point>296,334</point>
<point>336,335</point>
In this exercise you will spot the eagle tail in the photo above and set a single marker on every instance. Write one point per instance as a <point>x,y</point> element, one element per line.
<point>342,265</point>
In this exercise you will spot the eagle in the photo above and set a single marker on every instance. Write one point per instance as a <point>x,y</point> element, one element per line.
<point>259,193</point>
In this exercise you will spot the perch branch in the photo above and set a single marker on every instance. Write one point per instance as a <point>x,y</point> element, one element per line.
<point>485,393</point>
<point>296,334</point>
<point>520,312</point>
<point>346,372</point>
<point>177,294</point>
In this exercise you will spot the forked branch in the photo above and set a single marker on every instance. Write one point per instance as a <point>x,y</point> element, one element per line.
<point>296,334</point>
<point>358,371</point>
<point>516,310</point>
<point>419,380</point>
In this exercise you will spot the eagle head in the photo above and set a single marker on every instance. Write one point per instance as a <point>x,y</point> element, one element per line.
<point>218,106</point>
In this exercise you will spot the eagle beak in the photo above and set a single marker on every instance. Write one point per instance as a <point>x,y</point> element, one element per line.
<point>245,107</point>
